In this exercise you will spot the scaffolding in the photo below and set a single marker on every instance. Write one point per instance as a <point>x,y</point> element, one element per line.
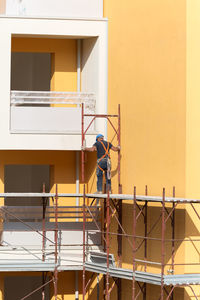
<point>118,205</point>
<point>167,283</point>
<point>103,262</point>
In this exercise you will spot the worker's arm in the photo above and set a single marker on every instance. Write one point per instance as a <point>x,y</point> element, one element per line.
<point>90,149</point>
<point>115,148</point>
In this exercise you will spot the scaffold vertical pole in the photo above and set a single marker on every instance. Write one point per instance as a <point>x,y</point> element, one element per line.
<point>107,243</point>
<point>104,243</point>
<point>173,235</point>
<point>119,238</point>
<point>119,207</point>
<point>134,242</point>
<point>119,152</point>
<point>56,246</point>
<point>145,241</point>
<point>82,143</point>
<point>84,219</point>
<point>43,223</point>
<point>43,238</point>
<point>163,245</point>
<point>119,241</point>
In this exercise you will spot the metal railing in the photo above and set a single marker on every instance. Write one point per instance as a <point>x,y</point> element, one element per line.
<point>35,213</point>
<point>37,98</point>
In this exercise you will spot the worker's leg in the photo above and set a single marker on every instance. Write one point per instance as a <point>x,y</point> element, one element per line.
<point>108,182</point>
<point>99,179</point>
<point>103,165</point>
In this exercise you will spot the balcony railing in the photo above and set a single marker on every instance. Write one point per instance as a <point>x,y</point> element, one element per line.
<point>49,112</point>
<point>35,214</point>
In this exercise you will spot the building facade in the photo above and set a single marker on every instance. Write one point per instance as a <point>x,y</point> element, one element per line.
<point>56,60</point>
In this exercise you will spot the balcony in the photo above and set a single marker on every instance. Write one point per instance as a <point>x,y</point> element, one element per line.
<point>44,55</point>
<point>28,240</point>
<point>50,112</point>
<point>50,8</point>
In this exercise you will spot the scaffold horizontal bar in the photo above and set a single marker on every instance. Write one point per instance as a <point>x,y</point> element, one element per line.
<point>182,279</point>
<point>148,262</point>
<point>100,116</point>
<point>101,196</point>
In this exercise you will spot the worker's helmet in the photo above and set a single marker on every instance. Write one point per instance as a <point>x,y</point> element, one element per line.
<point>99,136</point>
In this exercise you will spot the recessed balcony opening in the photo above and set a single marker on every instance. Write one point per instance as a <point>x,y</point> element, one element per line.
<point>45,98</point>
<point>30,71</point>
<point>17,287</point>
<point>26,179</point>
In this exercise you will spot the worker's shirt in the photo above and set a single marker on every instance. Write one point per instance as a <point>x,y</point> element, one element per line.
<point>100,149</point>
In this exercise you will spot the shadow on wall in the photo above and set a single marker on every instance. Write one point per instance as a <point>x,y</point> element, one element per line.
<point>96,291</point>
<point>66,285</point>
<point>88,44</point>
<point>153,246</point>
<point>153,291</point>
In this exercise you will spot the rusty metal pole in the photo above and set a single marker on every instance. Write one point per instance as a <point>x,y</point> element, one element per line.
<point>119,238</point>
<point>134,243</point>
<point>43,288</point>
<point>107,243</point>
<point>82,142</point>
<point>84,219</point>
<point>56,246</point>
<point>43,239</point>
<point>43,224</point>
<point>163,245</point>
<point>145,229</point>
<point>104,240</point>
<point>119,242</point>
<point>119,152</point>
<point>173,236</point>
<point>145,241</point>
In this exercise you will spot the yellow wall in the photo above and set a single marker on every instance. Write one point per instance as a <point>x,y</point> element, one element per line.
<point>147,76</point>
<point>63,162</point>
<point>192,135</point>
<point>64,76</point>
<point>193,104</point>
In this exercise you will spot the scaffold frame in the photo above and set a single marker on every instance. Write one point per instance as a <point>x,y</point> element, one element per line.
<point>168,283</point>
<point>117,131</point>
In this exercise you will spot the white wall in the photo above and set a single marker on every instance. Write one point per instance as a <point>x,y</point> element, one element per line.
<point>45,119</point>
<point>52,28</point>
<point>18,234</point>
<point>58,8</point>
<point>93,63</point>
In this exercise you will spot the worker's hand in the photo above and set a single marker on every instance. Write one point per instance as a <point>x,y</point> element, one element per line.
<point>83,148</point>
<point>119,148</point>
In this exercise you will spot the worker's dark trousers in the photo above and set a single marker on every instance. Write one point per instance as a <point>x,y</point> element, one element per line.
<point>103,165</point>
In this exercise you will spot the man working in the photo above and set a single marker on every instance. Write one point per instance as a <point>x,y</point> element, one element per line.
<point>103,161</point>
